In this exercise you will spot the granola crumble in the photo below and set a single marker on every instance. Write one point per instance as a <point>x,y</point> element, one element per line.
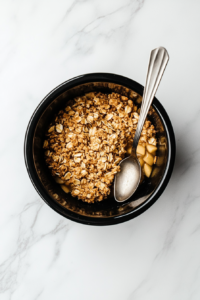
<point>89,138</point>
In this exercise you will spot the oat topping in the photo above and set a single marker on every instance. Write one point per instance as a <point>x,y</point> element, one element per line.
<point>88,139</point>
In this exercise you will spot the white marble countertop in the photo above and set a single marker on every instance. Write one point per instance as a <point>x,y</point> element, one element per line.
<point>44,256</point>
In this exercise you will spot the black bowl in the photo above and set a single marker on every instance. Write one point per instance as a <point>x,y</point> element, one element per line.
<point>108,211</point>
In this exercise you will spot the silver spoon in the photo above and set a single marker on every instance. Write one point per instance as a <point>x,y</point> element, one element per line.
<point>128,179</point>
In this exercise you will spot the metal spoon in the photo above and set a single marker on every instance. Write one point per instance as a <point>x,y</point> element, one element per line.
<point>128,179</point>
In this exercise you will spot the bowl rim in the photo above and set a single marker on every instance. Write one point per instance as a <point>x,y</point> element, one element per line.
<point>28,157</point>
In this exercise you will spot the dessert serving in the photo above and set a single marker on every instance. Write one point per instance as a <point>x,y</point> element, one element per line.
<point>89,137</point>
<point>49,157</point>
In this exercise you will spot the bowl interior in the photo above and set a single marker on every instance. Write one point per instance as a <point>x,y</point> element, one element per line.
<point>108,208</point>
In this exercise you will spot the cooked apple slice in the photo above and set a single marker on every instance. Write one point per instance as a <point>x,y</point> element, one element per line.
<point>147,170</point>
<point>59,180</point>
<point>152,141</point>
<point>151,149</point>
<point>148,158</point>
<point>141,161</point>
<point>65,188</point>
<point>140,150</point>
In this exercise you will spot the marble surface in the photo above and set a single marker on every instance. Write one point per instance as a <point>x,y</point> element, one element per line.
<point>44,256</point>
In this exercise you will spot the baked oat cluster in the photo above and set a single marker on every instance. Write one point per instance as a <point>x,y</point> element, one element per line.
<point>88,139</point>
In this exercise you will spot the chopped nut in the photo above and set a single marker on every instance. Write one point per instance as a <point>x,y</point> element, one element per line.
<point>124,98</point>
<point>51,129</point>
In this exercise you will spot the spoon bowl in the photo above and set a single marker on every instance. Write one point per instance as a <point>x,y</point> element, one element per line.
<point>127,181</point>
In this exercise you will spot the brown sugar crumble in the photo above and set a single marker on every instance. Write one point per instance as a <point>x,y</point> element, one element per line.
<point>88,139</point>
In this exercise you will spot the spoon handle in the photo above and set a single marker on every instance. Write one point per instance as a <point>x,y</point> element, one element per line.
<point>157,64</point>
